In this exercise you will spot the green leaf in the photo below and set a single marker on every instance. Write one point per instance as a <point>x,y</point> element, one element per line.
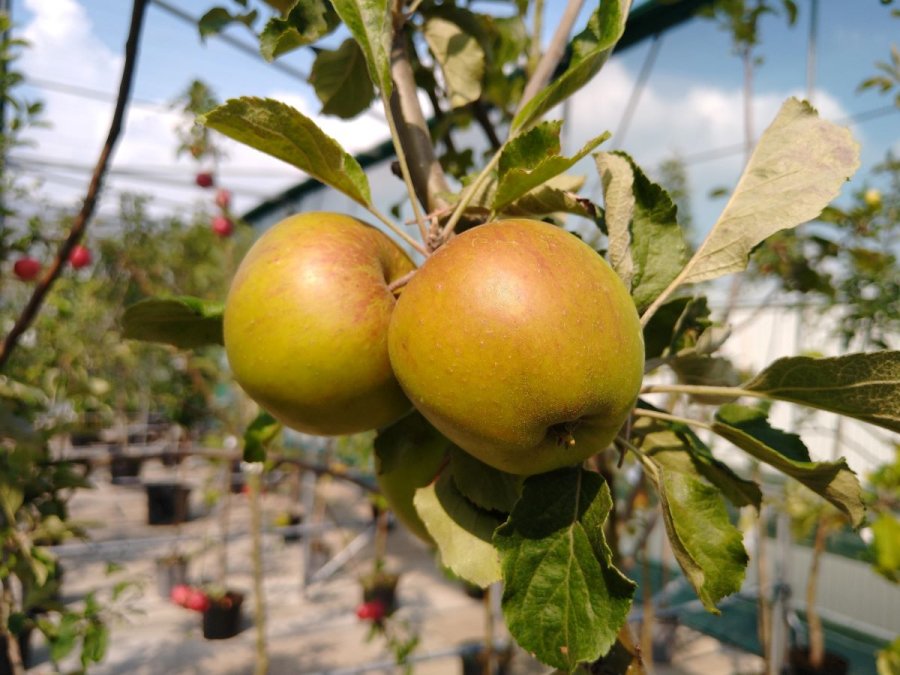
<point>799,165</point>
<point>369,22</point>
<point>218,19</point>
<point>563,599</point>
<point>676,325</point>
<point>279,130</point>
<point>461,530</point>
<point>521,169</point>
<point>710,371</point>
<point>305,23</point>
<point>460,56</point>
<point>887,660</point>
<point>646,244</point>
<point>259,433</point>
<point>483,485</point>
<point>181,321</point>
<point>590,50</point>
<point>399,446</point>
<point>864,386</point>
<point>341,80</point>
<point>886,546</point>
<point>675,437</point>
<point>708,548</point>
<point>749,430</point>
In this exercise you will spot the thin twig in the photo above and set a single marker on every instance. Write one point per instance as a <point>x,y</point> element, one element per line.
<point>554,52</point>
<point>469,195</point>
<point>402,281</point>
<point>642,412</point>
<point>396,230</point>
<point>30,311</point>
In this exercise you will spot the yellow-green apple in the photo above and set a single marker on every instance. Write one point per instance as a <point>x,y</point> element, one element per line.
<point>519,343</point>
<point>306,323</point>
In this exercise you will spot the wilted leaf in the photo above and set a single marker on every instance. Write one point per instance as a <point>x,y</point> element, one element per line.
<point>279,130</point>
<point>460,56</point>
<point>461,531</point>
<point>749,429</point>
<point>563,599</point>
<point>707,546</point>
<point>182,321</point>
<point>590,50</point>
<point>799,165</point>
<point>646,244</point>
<point>306,22</point>
<point>864,386</point>
<point>369,22</point>
<point>341,80</point>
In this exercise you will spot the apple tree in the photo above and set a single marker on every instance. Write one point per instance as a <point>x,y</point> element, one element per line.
<point>527,359</point>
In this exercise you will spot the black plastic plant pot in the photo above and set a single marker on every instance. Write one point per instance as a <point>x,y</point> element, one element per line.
<point>834,664</point>
<point>474,655</point>
<point>293,520</point>
<point>24,639</point>
<point>124,469</point>
<point>223,618</point>
<point>171,571</point>
<point>167,503</point>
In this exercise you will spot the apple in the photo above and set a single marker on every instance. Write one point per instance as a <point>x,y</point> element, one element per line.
<point>197,600</point>
<point>222,226</point>
<point>205,179</point>
<point>223,198</point>
<point>374,610</point>
<point>415,453</point>
<point>180,594</point>
<point>80,256</point>
<point>26,268</point>
<point>519,343</point>
<point>306,322</point>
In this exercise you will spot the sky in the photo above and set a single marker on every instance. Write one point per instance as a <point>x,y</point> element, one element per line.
<point>690,106</point>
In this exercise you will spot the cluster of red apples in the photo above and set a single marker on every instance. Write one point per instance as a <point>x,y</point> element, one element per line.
<point>222,224</point>
<point>28,268</point>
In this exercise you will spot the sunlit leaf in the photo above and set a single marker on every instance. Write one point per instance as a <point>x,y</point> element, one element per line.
<point>259,433</point>
<point>460,56</point>
<point>461,530</point>
<point>799,165</point>
<point>279,130</point>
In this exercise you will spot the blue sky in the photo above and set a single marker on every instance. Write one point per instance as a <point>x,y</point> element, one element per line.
<point>691,103</point>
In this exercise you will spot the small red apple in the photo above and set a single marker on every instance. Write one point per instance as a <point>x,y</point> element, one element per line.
<point>80,257</point>
<point>205,179</point>
<point>26,268</point>
<point>180,594</point>
<point>374,610</point>
<point>222,226</point>
<point>197,600</point>
<point>223,198</point>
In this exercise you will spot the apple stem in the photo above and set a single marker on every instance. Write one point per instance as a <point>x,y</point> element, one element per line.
<point>401,281</point>
<point>396,230</point>
<point>469,195</point>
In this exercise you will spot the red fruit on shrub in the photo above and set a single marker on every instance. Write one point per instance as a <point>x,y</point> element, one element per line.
<point>223,198</point>
<point>80,257</point>
<point>222,226</point>
<point>197,600</point>
<point>26,268</point>
<point>180,594</point>
<point>204,179</point>
<point>374,610</point>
